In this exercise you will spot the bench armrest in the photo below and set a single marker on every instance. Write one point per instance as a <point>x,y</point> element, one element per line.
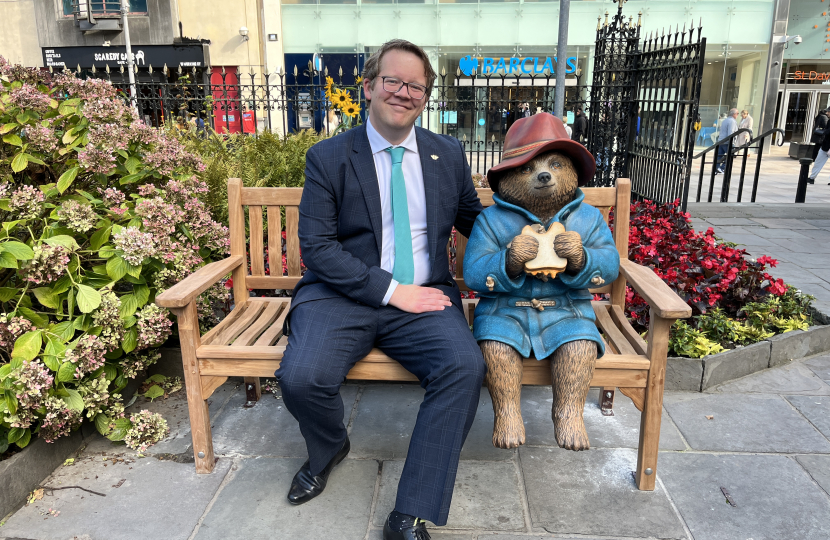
<point>660,297</point>
<point>185,291</point>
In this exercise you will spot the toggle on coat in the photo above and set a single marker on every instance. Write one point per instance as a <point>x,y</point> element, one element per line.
<point>527,329</point>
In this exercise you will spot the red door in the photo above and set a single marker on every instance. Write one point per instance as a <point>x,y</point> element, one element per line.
<point>227,117</point>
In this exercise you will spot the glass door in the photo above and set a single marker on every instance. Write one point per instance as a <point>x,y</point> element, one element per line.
<point>796,116</point>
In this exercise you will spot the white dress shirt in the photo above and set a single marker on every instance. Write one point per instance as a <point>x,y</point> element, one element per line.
<point>416,202</point>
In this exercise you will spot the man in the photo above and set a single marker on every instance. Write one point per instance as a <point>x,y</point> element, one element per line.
<point>580,129</point>
<point>727,128</point>
<point>822,149</point>
<point>378,206</point>
<point>817,138</point>
<point>745,123</point>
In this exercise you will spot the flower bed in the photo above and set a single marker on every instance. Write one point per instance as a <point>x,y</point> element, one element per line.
<point>99,214</point>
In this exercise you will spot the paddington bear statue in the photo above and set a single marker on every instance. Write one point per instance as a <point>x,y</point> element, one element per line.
<point>532,257</point>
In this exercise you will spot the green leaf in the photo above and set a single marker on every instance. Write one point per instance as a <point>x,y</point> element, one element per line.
<point>128,321</point>
<point>7,293</point>
<point>99,238</point>
<point>88,298</point>
<point>28,345</point>
<point>41,321</point>
<point>4,371</point>
<point>19,162</point>
<point>117,267</point>
<point>23,441</point>
<point>130,340</point>
<point>102,423</point>
<point>157,378</point>
<point>67,178</point>
<point>23,118</point>
<point>65,110</point>
<point>122,426</point>
<point>8,127</point>
<point>16,433</point>
<point>62,285</point>
<point>7,260</point>
<point>11,402</point>
<point>129,305</point>
<point>142,294</point>
<point>132,164</point>
<point>65,331</point>
<point>66,372</point>
<point>134,271</point>
<point>110,371</point>
<point>106,252</point>
<point>9,225</point>
<point>53,352</point>
<point>131,178</point>
<point>153,392</point>
<point>33,159</point>
<point>45,296</point>
<point>62,240</point>
<point>12,139</point>
<point>74,400</point>
<point>52,362</point>
<point>19,250</point>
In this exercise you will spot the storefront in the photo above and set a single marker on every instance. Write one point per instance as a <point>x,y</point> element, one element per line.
<point>804,91</point>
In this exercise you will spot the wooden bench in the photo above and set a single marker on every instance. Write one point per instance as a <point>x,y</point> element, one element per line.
<point>249,342</point>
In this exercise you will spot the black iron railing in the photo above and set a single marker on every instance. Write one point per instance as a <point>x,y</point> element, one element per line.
<point>724,161</point>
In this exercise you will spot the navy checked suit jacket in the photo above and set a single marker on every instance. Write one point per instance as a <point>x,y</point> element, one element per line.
<point>340,216</point>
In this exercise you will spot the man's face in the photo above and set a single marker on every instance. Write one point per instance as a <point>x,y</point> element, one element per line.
<point>396,111</point>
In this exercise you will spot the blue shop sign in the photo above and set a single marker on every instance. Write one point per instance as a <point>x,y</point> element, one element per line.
<point>528,65</point>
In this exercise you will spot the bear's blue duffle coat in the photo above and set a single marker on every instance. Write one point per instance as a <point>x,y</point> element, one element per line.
<point>526,329</point>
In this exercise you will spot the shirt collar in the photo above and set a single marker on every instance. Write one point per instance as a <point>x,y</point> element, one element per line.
<point>379,144</point>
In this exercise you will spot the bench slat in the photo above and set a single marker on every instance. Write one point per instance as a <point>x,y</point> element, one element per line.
<point>274,332</point>
<point>625,327</point>
<point>256,249</point>
<point>240,325</point>
<point>612,333</point>
<point>266,318</point>
<point>272,197</point>
<point>292,241</point>
<point>210,336</point>
<point>274,241</point>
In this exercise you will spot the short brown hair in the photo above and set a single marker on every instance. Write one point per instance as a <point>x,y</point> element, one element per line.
<point>371,68</point>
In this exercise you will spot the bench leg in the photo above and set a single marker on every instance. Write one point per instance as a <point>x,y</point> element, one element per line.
<point>606,401</point>
<point>253,391</point>
<point>653,406</point>
<point>196,403</point>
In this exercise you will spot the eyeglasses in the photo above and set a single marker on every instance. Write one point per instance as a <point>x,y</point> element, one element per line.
<point>394,85</point>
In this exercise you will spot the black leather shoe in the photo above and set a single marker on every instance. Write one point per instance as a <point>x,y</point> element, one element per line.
<point>306,486</point>
<point>415,532</point>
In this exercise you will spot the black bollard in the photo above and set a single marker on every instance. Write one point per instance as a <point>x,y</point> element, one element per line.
<point>801,190</point>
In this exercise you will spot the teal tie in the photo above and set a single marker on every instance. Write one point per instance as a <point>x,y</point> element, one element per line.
<point>404,270</point>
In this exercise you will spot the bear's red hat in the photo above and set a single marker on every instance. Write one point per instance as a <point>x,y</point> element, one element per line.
<point>529,137</point>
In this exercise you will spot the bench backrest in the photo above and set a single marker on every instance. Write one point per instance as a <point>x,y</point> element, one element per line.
<point>282,216</point>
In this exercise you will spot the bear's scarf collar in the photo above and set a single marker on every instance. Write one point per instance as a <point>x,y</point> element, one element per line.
<point>560,216</point>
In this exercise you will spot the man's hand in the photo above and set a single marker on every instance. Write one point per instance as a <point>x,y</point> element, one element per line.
<point>417,299</point>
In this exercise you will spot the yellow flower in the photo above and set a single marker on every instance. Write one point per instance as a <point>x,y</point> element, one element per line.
<point>329,83</point>
<point>351,110</point>
<point>341,98</point>
<point>358,80</point>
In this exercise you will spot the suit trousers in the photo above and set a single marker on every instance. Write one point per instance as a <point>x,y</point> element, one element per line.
<point>821,159</point>
<point>329,336</point>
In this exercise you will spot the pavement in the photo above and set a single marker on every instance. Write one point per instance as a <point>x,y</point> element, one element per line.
<point>746,460</point>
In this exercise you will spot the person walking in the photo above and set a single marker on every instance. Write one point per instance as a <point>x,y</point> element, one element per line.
<point>745,123</point>
<point>819,125</point>
<point>379,202</point>
<point>727,128</point>
<point>717,125</point>
<point>580,129</point>
<point>823,149</point>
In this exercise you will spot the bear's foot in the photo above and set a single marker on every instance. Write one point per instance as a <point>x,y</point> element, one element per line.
<point>571,433</point>
<point>508,430</point>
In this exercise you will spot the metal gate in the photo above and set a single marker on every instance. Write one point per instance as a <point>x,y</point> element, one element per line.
<point>644,105</point>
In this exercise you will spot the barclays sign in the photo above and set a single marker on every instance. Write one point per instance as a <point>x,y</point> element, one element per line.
<point>530,65</point>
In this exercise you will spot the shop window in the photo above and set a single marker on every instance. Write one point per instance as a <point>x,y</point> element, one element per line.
<point>102,8</point>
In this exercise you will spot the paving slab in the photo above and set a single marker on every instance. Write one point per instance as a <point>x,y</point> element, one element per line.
<point>790,379</point>
<point>174,410</point>
<point>161,499</point>
<point>816,409</point>
<point>743,423</point>
<point>386,415</point>
<point>818,467</point>
<point>486,496</point>
<point>818,234</point>
<point>436,534</point>
<point>819,261</point>
<point>266,429</point>
<point>593,493</point>
<point>253,505</point>
<point>779,223</point>
<point>745,239</point>
<point>805,245</point>
<point>731,222</point>
<point>774,498</point>
<point>820,365</point>
<point>779,233</point>
<point>619,431</point>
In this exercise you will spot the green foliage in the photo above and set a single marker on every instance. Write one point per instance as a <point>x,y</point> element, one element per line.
<point>690,342</point>
<point>266,160</point>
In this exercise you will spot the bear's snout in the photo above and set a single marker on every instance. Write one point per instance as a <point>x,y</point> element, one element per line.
<point>543,177</point>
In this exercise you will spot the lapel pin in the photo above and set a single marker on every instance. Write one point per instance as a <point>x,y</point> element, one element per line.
<point>433,156</point>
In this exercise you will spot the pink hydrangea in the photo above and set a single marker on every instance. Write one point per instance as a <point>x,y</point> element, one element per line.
<point>136,362</point>
<point>84,88</point>
<point>88,355</point>
<point>32,382</point>
<point>108,317</point>
<point>96,396</point>
<point>59,421</point>
<point>112,196</point>
<point>153,326</point>
<point>135,244</point>
<point>96,160</point>
<point>47,265</point>
<point>78,217</point>
<point>42,138</point>
<point>147,429</point>
<point>29,97</point>
<point>26,202</point>
<point>12,328</point>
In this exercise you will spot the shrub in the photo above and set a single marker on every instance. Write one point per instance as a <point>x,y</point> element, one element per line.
<point>99,214</point>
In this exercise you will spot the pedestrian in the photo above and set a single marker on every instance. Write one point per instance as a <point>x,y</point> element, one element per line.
<point>379,203</point>
<point>823,149</point>
<point>717,125</point>
<point>746,123</point>
<point>819,125</point>
<point>567,127</point>
<point>727,128</point>
<point>580,128</point>
<point>525,110</point>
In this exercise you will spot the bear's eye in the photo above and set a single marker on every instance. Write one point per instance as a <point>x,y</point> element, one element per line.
<point>526,169</point>
<point>555,164</point>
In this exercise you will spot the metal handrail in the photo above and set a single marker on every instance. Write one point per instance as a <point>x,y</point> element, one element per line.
<point>728,159</point>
